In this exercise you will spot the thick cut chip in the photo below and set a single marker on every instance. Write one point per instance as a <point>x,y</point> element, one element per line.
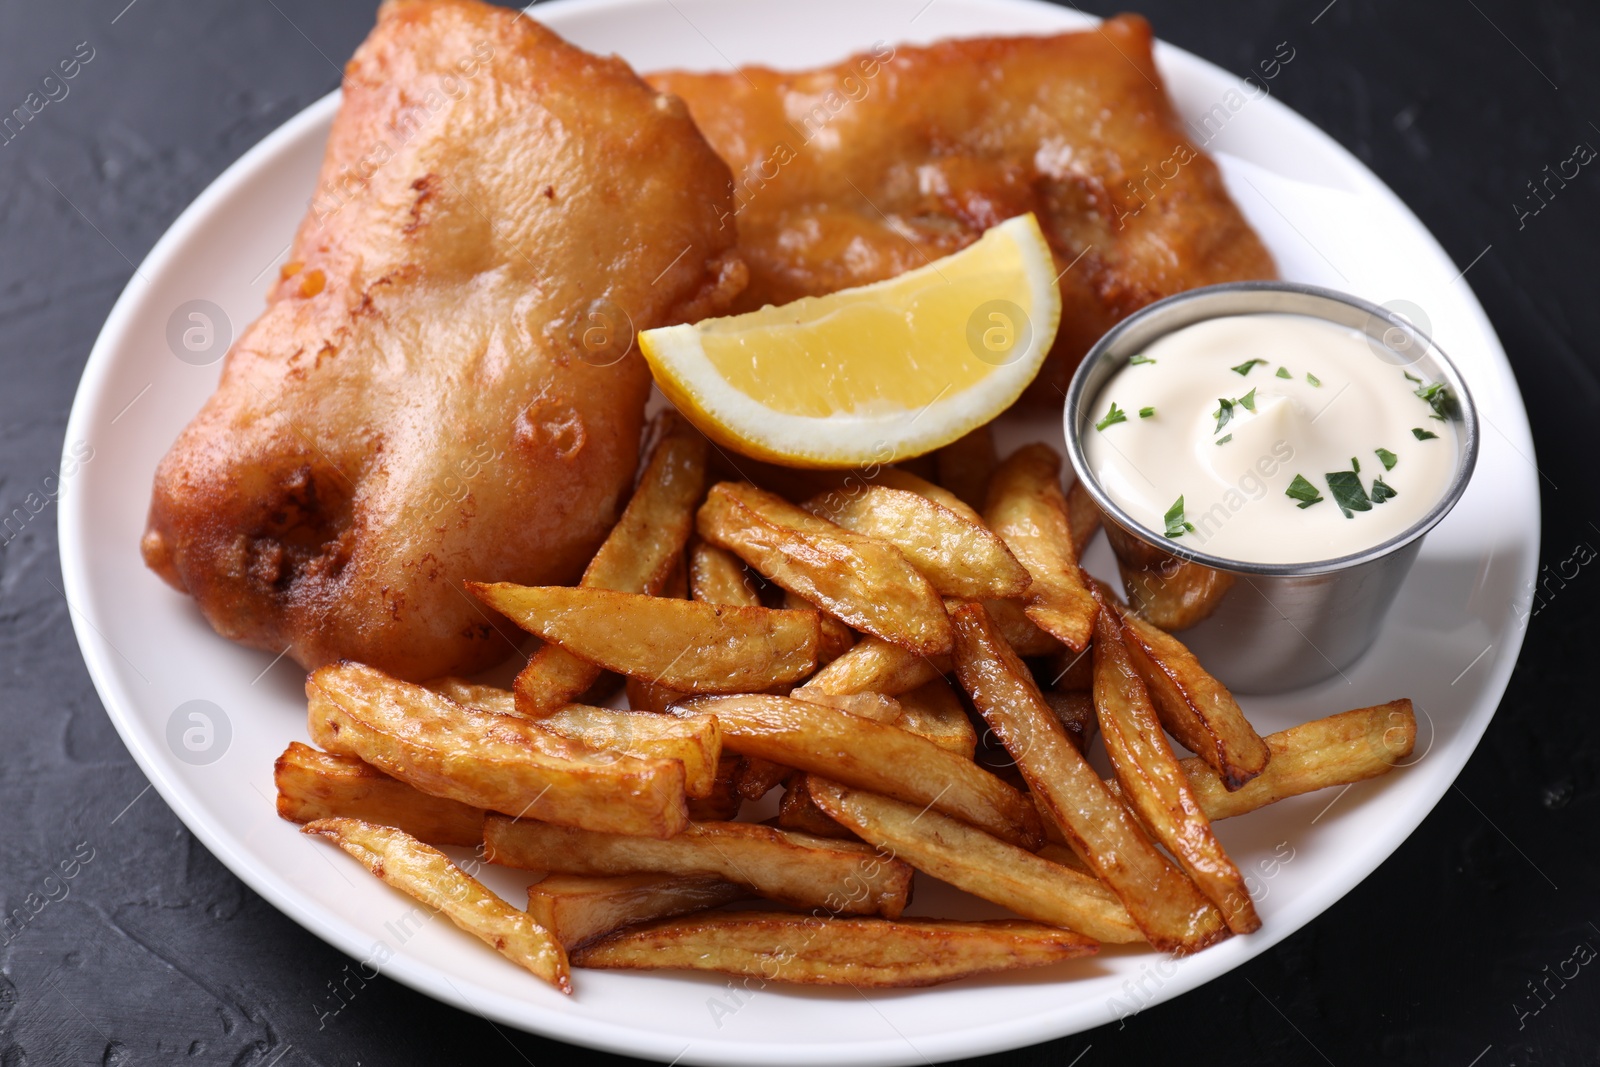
<point>716,576</point>
<point>859,953</point>
<point>1152,780</point>
<point>638,556</point>
<point>1167,907</point>
<point>316,785</point>
<point>798,811</point>
<point>1018,629</point>
<point>1027,509</point>
<point>863,582</point>
<point>871,755</point>
<point>684,644</point>
<point>982,865</point>
<point>427,874</point>
<point>724,801</point>
<point>874,665</point>
<point>934,711</point>
<point>500,762</point>
<point>960,557</point>
<point>798,869</point>
<point>1172,593</point>
<point>1083,517</point>
<point>577,907</point>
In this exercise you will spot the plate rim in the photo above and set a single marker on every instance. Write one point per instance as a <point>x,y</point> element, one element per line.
<point>424,977</point>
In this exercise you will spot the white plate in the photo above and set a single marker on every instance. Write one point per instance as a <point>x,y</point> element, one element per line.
<point>1450,643</point>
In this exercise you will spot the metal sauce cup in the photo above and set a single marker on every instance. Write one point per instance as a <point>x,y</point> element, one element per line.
<point>1265,627</point>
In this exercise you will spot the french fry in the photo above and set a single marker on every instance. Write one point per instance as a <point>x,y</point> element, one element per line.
<point>1075,709</point>
<point>1083,517</point>
<point>863,582</point>
<point>1067,669</point>
<point>316,785</point>
<point>696,743</point>
<point>757,777</point>
<point>1027,509</point>
<point>1172,593</point>
<point>1017,628</point>
<point>718,577</point>
<point>835,637</point>
<point>896,478</point>
<point>860,953</point>
<point>427,874</point>
<point>960,557</point>
<point>1152,780</point>
<point>808,872</point>
<point>577,908</point>
<point>934,711</point>
<point>724,801</point>
<point>1339,750</point>
<point>874,665</point>
<point>798,811</point>
<point>870,755</point>
<point>638,556</point>
<point>874,706</point>
<point>966,463</point>
<point>1194,707</point>
<point>1166,906</point>
<point>683,644</point>
<point>972,860</point>
<point>500,762</point>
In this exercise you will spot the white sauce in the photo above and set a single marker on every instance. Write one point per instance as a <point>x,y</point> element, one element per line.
<point>1235,492</point>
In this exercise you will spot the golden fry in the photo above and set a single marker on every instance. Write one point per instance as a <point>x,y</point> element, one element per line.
<point>1152,780</point>
<point>1170,592</point>
<point>934,711</point>
<point>500,762</point>
<point>428,875</point>
<point>683,644</point>
<point>871,755</point>
<point>863,582</point>
<point>808,872</point>
<point>319,785</point>
<point>1027,509</point>
<point>1167,907</point>
<point>798,811</point>
<point>577,907</point>
<point>1083,517</point>
<point>966,464</point>
<point>718,577</point>
<point>860,953</point>
<point>875,666</point>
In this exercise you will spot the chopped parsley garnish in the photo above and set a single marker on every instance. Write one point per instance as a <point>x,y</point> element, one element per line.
<point>1389,458</point>
<point>1439,398</point>
<point>1223,413</point>
<point>1283,372</point>
<point>1139,359</point>
<point>1176,523</point>
<point>1313,379</point>
<point>1145,413</point>
<point>1225,438</point>
<point>1381,491</point>
<point>1248,365</point>
<point>1422,435</point>
<point>1249,401</point>
<point>1114,416</point>
<point>1303,491</point>
<point>1411,376</point>
<point>1347,492</point>
<point>1355,464</point>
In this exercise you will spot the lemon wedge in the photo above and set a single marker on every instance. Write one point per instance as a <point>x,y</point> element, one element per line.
<point>874,374</point>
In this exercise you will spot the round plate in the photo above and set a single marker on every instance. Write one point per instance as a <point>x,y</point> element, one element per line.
<point>1450,643</point>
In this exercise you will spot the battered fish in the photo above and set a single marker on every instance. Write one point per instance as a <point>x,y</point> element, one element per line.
<point>857,172</point>
<point>438,388</point>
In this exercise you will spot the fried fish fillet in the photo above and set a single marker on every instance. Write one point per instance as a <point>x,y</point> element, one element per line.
<point>854,173</point>
<point>438,388</point>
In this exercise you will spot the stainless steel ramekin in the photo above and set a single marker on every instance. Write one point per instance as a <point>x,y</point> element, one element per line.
<point>1266,627</point>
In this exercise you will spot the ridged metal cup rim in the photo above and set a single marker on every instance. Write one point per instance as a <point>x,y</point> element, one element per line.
<point>1164,317</point>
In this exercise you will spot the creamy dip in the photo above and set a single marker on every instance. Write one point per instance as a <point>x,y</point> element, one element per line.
<point>1272,438</point>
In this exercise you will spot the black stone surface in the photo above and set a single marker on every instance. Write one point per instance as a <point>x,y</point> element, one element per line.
<point>152,953</point>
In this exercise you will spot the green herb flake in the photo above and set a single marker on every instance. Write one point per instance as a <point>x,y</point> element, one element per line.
<point>1355,464</point>
<point>1139,360</point>
<point>1283,372</point>
<point>1389,458</point>
<point>1412,377</point>
<point>1313,379</point>
<point>1223,413</point>
<point>1423,435</point>
<point>1176,523</point>
<point>1381,491</point>
<point>1347,492</point>
<point>1114,416</point>
<point>1225,438</point>
<point>1145,413</point>
<point>1438,397</point>
<point>1303,491</point>
<point>1248,365</point>
<point>1249,401</point>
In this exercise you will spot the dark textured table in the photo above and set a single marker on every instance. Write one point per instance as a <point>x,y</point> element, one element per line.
<point>1451,953</point>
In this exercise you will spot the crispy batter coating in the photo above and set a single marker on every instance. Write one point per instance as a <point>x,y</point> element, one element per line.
<point>437,389</point>
<point>854,173</point>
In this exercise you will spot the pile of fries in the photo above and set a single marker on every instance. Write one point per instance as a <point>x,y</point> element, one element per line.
<point>802,629</point>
